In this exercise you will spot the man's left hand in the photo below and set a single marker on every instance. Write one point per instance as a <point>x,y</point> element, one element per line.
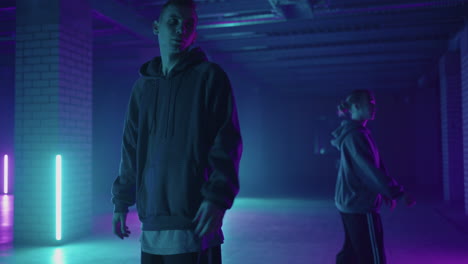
<point>209,218</point>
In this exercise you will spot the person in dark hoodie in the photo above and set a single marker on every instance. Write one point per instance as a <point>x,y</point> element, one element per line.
<point>181,148</point>
<point>362,184</point>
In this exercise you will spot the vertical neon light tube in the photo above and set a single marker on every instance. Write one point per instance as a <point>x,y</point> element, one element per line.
<point>5,174</point>
<point>58,197</point>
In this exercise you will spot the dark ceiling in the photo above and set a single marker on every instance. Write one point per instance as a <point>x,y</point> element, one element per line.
<point>305,45</point>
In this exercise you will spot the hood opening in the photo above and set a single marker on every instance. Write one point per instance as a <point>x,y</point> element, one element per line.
<point>190,57</point>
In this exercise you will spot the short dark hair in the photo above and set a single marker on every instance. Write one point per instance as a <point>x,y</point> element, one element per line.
<point>181,3</point>
<point>356,97</point>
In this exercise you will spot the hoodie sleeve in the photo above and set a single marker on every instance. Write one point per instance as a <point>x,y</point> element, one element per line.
<point>371,171</point>
<point>224,155</point>
<point>124,187</point>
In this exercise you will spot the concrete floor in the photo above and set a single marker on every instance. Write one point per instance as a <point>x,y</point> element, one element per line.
<point>274,231</point>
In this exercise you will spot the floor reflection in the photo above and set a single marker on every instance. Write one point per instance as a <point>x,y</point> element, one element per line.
<point>6,222</point>
<point>299,231</point>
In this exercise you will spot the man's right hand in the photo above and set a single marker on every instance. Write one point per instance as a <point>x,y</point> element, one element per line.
<point>119,226</point>
<point>409,200</point>
<point>390,203</point>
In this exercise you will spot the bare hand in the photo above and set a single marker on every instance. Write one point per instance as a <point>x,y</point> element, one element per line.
<point>409,200</point>
<point>209,218</point>
<point>119,226</point>
<point>390,203</point>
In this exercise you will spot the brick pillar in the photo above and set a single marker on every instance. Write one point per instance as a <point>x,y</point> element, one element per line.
<point>451,119</point>
<point>464,78</point>
<point>52,116</point>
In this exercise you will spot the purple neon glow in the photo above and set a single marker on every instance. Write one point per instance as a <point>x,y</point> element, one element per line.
<point>6,222</point>
<point>115,25</point>
<point>13,8</point>
<point>5,174</point>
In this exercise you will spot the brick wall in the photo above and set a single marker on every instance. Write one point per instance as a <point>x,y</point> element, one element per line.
<point>52,116</point>
<point>36,129</point>
<point>75,129</point>
<point>451,129</point>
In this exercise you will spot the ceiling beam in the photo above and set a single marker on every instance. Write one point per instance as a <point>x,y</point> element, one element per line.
<point>402,3</point>
<point>232,7</point>
<point>396,19</point>
<point>332,39</point>
<point>433,47</point>
<point>362,59</point>
<point>310,53</point>
<point>331,86</point>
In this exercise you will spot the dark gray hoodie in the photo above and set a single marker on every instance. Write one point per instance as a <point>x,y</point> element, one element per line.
<point>181,143</point>
<point>362,178</point>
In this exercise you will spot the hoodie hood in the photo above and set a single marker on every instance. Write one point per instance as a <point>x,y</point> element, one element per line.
<point>343,130</point>
<point>190,57</point>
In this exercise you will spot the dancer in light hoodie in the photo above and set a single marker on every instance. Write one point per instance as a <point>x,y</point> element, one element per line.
<point>362,183</point>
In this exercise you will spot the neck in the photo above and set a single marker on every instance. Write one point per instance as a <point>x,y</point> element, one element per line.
<point>168,62</point>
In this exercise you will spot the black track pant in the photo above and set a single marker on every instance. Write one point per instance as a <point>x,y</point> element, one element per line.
<point>363,240</point>
<point>209,256</point>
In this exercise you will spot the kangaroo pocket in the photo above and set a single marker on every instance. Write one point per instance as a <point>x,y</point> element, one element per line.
<point>171,186</point>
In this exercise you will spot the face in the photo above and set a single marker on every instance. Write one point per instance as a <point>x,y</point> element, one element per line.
<point>176,28</point>
<point>370,109</point>
<point>365,110</point>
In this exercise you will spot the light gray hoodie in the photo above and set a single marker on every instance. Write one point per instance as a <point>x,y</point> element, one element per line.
<point>362,178</point>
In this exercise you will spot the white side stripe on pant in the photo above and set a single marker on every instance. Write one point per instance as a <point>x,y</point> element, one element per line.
<point>375,247</point>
